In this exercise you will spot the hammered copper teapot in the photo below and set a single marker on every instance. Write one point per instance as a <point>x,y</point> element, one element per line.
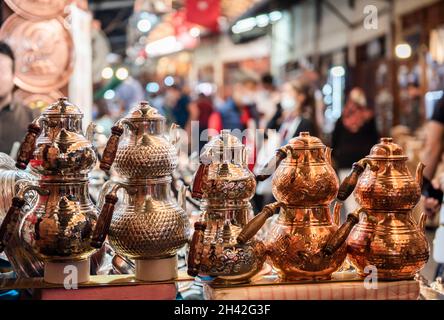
<point>225,185</point>
<point>304,241</point>
<point>147,225</point>
<point>62,228</point>
<point>386,237</point>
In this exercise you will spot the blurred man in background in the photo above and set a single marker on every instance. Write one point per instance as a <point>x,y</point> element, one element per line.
<point>14,118</point>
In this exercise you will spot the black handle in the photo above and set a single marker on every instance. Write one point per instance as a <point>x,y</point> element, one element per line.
<point>271,165</point>
<point>348,185</point>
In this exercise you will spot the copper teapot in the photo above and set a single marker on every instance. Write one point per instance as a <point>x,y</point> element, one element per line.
<point>304,242</point>
<point>386,237</point>
<point>62,227</point>
<point>147,224</point>
<point>225,185</point>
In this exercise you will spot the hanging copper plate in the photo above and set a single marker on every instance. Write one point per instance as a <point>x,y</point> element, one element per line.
<point>36,100</point>
<point>43,51</point>
<point>38,9</point>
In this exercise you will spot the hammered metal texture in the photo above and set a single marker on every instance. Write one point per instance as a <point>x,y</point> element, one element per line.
<point>295,242</point>
<point>158,158</point>
<point>60,226</point>
<point>389,241</point>
<point>148,229</point>
<point>389,186</point>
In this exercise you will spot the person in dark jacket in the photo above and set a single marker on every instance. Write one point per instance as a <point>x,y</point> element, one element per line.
<point>355,133</point>
<point>296,111</point>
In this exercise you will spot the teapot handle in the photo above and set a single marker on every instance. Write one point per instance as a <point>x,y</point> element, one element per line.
<point>196,189</point>
<point>254,225</point>
<point>109,154</point>
<point>338,238</point>
<point>349,183</point>
<point>106,214</point>
<point>196,248</point>
<point>264,172</point>
<point>28,146</point>
<point>10,220</point>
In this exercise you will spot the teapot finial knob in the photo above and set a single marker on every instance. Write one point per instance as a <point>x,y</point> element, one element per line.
<point>387,140</point>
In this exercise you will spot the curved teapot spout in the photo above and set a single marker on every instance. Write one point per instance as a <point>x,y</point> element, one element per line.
<point>419,174</point>
<point>338,238</point>
<point>271,166</point>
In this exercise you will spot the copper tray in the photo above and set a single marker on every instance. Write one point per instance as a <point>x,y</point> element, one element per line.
<point>38,9</point>
<point>43,50</point>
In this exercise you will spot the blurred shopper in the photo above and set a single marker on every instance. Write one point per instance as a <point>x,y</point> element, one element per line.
<point>103,117</point>
<point>201,110</point>
<point>267,99</point>
<point>237,110</point>
<point>354,135</point>
<point>433,195</point>
<point>14,118</point>
<point>296,112</point>
<point>129,93</point>
<point>181,101</point>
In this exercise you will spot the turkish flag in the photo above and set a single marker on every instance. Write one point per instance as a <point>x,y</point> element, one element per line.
<point>203,12</point>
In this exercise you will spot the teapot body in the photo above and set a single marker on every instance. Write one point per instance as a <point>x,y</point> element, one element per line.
<point>222,257</point>
<point>143,152</point>
<point>295,242</point>
<point>149,224</point>
<point>60,225</point>
<point>391,241</point>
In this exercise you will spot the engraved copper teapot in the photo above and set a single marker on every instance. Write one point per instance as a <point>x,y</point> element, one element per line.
<point>225,185</point>
<point>62,227</point>
<point>147,224</point>
<point>304,241</point>
<point>386,237</point>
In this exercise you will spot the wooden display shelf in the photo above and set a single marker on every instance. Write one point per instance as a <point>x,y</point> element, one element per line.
<point>342,286</point>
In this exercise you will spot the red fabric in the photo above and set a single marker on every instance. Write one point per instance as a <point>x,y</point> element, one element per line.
<point>203,12</point>
<point>215,122</point>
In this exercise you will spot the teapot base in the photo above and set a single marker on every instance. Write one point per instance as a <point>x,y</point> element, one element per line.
<point>162,269</point>
<point>65,272</point>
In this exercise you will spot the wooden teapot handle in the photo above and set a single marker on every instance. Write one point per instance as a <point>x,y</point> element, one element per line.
<point>103,223</point>
<point>264,174</point>
<point>28,146</point>
<point>196,248</point>
<point>338,238</point>
<point>109,154</point>
<point>349,183</point>
<point>196,190</point>
<point>257,222</point>
<point>13,213</point>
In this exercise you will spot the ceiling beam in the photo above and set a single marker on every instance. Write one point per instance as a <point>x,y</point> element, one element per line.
<point>110,5</point>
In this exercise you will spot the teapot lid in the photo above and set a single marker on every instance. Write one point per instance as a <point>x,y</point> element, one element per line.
<point>224,141</point>
<point>144,112</point>
<point>306,142</point>
<point>387,149</point>
<point>62,107</point>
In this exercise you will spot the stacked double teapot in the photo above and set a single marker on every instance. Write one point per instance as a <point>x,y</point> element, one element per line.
<point>305,242</point>
<point>63,228</point>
